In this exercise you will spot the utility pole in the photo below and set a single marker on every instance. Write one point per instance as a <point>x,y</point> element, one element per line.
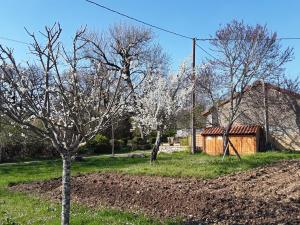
<point>193,98</point>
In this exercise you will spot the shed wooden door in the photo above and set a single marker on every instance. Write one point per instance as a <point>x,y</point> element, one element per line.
<point>213,145</point>
<point>244,145</point>
<point>249,145</point>
<point>237,143</point>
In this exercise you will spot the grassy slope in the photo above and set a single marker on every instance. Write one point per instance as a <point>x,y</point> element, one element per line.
<point>23,209</point>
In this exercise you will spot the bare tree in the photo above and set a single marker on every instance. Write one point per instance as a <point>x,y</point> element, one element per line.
<point>210,86</point>
<point>244,54</point>
<point>130,51</point>
<point>65,96</point>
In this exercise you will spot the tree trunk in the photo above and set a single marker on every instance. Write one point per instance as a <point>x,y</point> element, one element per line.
<point>113,140</point>
<point>0,153</point>
<point>225,143</point>
<point>141,133</point>
<point>66,190</point>
<point>155,147</point>
<point>226,140</point>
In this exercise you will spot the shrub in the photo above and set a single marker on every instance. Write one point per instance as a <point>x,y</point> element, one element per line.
<point>152,140</point>
<point>119,144</point>
<point>99,144</point>
<point>168,133</point>
<point>184,141</point>
<point>138,141</point>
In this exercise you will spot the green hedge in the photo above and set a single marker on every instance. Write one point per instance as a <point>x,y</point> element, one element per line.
<point>99,144</point>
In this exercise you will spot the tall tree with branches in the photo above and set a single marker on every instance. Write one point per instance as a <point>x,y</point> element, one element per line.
<point>130,51</point>
<point>64,96</point>
<point>243,54</point>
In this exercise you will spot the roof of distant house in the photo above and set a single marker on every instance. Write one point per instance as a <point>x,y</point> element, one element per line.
<point>235,130</point>
<point>255,84</point>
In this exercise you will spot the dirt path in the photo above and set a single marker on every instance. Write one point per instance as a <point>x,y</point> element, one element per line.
<point>267,195</point>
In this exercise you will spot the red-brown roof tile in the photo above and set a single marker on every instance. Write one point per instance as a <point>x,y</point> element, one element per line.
<point>235,130</point>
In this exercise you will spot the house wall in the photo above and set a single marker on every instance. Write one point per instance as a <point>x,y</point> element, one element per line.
<point>284,116</point>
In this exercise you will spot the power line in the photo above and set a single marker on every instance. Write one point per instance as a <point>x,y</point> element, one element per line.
<point>173,32</point>
<point>236,39</point>
<point>14,40</point>
<point>24,43</point>
<point>139,21</point>
<point>206,52</point>
<point>289,38</point>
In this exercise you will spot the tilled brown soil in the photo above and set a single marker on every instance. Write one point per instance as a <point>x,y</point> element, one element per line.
<point>266,195</point>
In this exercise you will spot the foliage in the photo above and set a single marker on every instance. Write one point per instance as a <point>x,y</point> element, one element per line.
<point>17,143</point>
<point>99,144</point>
<point>151,139</point>
<point>184,141</point>
<point>138,141</point>
<point>168,133</point>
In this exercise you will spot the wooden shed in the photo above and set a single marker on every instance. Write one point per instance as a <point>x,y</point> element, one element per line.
<point>245,138</point>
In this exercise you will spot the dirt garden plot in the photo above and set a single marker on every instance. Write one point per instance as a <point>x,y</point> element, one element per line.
<point>266,195</point>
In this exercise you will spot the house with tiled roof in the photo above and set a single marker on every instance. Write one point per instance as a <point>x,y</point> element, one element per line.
<point>274,111</point>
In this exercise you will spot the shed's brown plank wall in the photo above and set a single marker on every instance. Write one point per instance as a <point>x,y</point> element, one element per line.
<point>245,145</point>
<point>199,140</point>
<point>213,145</point>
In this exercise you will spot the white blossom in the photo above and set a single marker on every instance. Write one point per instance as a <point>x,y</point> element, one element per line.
<point>160,99</point>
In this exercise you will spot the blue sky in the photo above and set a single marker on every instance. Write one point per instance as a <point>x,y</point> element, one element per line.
<point>190,17</point>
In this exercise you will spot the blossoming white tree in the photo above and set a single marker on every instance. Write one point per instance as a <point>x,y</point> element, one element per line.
<point>64,96</point>
<point>159,98</point>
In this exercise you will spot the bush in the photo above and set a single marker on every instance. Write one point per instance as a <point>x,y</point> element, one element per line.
<point>184,141</point>
<point>119,144</point>
<point>138,141</point>
<point>99,144</point>
<point>141,147</point>
<point>19,144</point>
<point>83,150</point>
<point>152,140</point>
<point>168,133</point>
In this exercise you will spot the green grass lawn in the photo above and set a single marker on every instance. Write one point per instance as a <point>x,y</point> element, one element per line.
<point>17,208</point>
